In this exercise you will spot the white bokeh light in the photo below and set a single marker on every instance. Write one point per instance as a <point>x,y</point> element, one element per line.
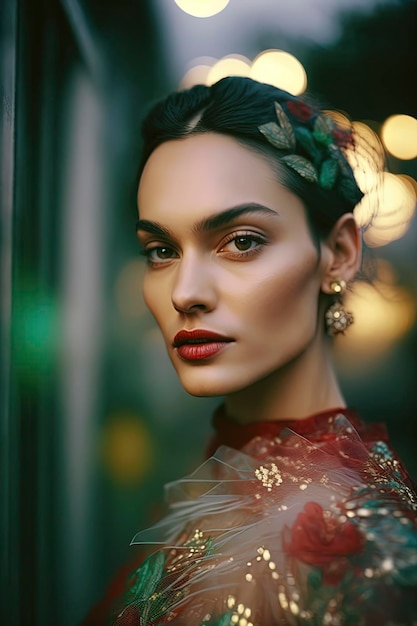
<point>231,65</point>
<point>281,69</point>
<point>399,135</point>
<point>202,8</point>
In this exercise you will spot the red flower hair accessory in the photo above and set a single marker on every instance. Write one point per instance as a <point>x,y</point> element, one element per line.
<point>300,110</point>
<point>343,138</point>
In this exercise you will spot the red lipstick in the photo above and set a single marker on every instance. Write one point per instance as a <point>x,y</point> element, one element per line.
<point>196,345</point>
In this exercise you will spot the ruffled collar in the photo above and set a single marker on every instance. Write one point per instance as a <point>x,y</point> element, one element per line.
<point>230,433</point>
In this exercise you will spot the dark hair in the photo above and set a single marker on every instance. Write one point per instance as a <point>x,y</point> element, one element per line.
<point>237,107</point>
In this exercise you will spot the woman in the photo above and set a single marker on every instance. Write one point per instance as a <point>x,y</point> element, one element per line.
<point>302,514</point>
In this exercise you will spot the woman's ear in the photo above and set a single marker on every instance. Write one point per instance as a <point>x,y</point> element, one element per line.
<point>343,252</point>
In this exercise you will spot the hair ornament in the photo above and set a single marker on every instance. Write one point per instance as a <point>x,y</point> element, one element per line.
<point>314,145</point>
<point>280,135</point>
<point>328,174</point>
<point>302,166</point>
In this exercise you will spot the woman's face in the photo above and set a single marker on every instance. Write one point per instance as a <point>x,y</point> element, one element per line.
<point>233,276</point>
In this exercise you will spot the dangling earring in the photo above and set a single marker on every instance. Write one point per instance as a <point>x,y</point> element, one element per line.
<point>337,318</point>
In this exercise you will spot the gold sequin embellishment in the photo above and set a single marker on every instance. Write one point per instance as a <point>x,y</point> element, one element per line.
<point>269,475</point>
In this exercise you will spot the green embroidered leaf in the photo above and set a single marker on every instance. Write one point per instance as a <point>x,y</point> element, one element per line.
<point>305,138</point>
<point>324,124</point>
<point>323,138</point>
<point>322,132</point>
<point>341,159</point>
<point>302,166</point>
<point>147,577</point>
<point>276,136</point>
<point>285,124</point>
<point>209,546</point>
<point>350,190</point>
<point>328,174</point>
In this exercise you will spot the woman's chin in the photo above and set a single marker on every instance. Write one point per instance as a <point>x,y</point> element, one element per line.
<point>205,390</point>
<point>205,384</point>
<point>205,387</point>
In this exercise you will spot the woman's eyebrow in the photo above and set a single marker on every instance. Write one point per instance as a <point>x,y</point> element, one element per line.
<point>154,228</point>
<point>212,222</point>
<point>225,217</point>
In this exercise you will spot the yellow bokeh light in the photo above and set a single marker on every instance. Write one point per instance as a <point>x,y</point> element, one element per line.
<point>367,159</point>
<point>281,69</point>
<point>367,162</point>
<point>339,117</point>
<point>232,65</point>
<point>202,8</point>
<point>377,237</point>
<point>126,448</point>
<point>366,209</point>
<point>383,313</point>
<point>368,143</point>
<point>196,75</point>
<point>410,183</point>
<point>396,204</point>
<point>397,201</point>
<point>399,135</point>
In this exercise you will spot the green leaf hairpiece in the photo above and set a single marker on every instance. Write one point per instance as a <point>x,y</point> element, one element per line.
<point>328,174</point>
<point>280,135</point>
<point>322,131</point>
<point>313,144</point>
<point>306,139</point>
<point>285,124</point>
<point>302,166</point>
<point>276,136</point>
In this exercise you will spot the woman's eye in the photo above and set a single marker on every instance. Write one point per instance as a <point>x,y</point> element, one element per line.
<point>159,254</point>
<point>244,243</point>
<point>241,245</point>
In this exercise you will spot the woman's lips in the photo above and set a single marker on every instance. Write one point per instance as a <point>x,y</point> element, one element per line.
<point>195,345</point>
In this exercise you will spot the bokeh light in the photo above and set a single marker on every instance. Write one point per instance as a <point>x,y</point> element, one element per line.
<point>281,69</point>
<point>342,119</point>
<point>231,65</point>
<point>396,208</point>
<point>399,135</point>
<point>126,447</point>
<point>410,183</point>
<point>36,333</point>
<point>197,72</point>
<point>383,313</point>
<point>196,75</point>
<point>367,160</point>
<point>202,8</point>
<point>368,143</point>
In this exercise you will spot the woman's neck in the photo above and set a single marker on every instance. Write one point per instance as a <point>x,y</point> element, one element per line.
<point>303,387</point>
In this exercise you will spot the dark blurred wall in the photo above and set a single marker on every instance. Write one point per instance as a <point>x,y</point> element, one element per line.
<point>63,77</point>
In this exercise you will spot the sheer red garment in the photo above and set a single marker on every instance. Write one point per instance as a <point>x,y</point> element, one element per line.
<point>316,430</point>
<point>230,433</point>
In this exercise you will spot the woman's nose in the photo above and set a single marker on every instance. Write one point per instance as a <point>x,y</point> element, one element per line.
<point>194,287</point>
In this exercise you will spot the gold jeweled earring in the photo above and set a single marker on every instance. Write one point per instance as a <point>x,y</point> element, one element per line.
<point>337,318</point>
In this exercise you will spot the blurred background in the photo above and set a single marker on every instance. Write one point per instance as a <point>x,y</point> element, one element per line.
<point>93,421</point>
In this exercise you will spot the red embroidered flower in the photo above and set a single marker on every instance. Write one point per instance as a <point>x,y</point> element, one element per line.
<point>320,539</point>
<point>300,110</point>
<point>343,138</point>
